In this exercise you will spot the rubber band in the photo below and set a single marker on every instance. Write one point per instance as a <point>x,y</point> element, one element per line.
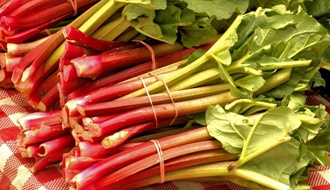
<point>150,100</point>
<point>48,32</point>
<point>161,160</point>
<point>170,96</point>
<point>152,52</point>
<point>74,6</point>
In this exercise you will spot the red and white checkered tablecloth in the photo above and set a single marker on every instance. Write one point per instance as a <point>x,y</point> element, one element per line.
<point>15,173</point>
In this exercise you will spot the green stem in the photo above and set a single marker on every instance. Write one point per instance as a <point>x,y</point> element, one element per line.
<point>243,159</point>
<point>196,80</point>
<point>127,35</point>
<point>285,64</point>
<point>274,80</point>
<point>118,28</point>
<point>200,171</point>
<point>260,179</point>
<point>191,68</point>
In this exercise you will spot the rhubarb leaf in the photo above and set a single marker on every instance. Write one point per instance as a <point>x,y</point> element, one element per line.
<point>272,129</point>
<point>221,9</point>
<point>319,146</point>
<point>193,34</point>
<point>199,118</point>
<point>250,106</point>
<point>250,83</point>
<point>296,101</point>
<point>169,20</point>
<point>155,4</point>
<point>147,24</point>
<point>317,80</point>
<point>229,128</point>
<point>133,11</point>
<point>279,163</point>
<point>317,7</point>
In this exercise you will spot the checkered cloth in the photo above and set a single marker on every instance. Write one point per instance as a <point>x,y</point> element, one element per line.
<point>15,173</point>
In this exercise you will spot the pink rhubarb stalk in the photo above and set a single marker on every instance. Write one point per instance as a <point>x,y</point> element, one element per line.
<point>54,145</point>
<point>79,37</point>
<point>94,66</point>
<point>125,157</point>
<point>133,71</point>
<point>152,160</point>
<point>162,111</point>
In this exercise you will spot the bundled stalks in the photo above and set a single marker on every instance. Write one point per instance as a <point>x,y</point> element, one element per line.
<point>142,99</point>
<point>43,138</point>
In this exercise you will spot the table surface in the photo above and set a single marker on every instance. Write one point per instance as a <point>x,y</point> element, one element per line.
<point>15,173</point>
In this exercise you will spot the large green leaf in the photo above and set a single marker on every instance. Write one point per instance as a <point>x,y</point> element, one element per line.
<point>319,147</point>
<point>169,20</point>
<point>229,128</point>
<point>273,129</point>
<point>133,11</point>
<point>221,9</point>
<point>279,163</point>
<point>317,7</point>
<point>193,34</point>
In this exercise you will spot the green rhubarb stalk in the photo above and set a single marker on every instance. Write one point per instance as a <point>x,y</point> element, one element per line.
<point>128,35</point>
<point>205,170</point>
<point>193,67</point>
<point>218,169</point>
<point>113,30</point>
<point>197,79</point>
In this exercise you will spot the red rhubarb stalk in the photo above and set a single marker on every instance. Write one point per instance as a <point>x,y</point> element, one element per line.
<point>43,16</point>
<point>162,111</point>
<point>152,160</point>
<point>11,62</point>
<point>124,135</point>
<point>107,93</point>
<point>50,100</point>
<point>29,57</point>
<point>125,157</point>
<point>2,60</point>
<point>69,79</point>
<point>11,6</point>
<point>54,145</point>
<point>43,134</point>
<point>52,118</point>
<point>22,49</point>
<point>32,151</point>
<point>51,158</point>
<point>79,37</point>
<point>32,7</point>
<point>177,163</point>
<point>132,72</point>
<point>46,88</point>
<point>73,50</point>
<point>121,105</point>
<point>80,163</point>
<point>41,54</point>
<point>30,32</point>
<point>4,74</point>
<point>34,119</point>
<point>96,150</point>
<point>94,66</point>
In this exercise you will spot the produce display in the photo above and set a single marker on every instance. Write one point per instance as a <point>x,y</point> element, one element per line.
<point>131,93</point>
